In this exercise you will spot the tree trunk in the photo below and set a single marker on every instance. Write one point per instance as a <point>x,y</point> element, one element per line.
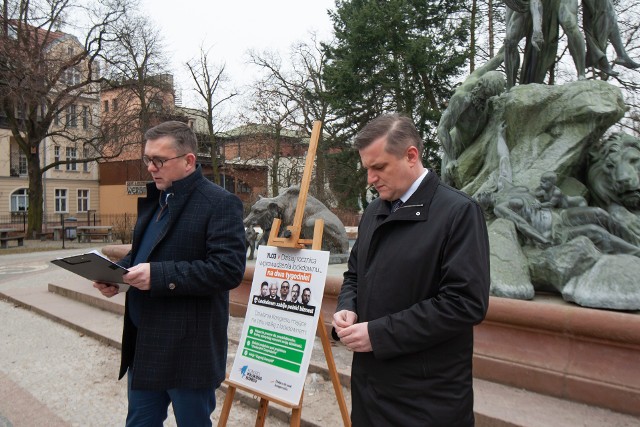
<point>34,218</point>
<point>491,35</point>
<point>472,37</point>
<point>214,158</point>
<point>275,163</point>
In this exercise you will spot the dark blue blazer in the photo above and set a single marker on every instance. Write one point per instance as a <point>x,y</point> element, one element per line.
<point>199,256</point>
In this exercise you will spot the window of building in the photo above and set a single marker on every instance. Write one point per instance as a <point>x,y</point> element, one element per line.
<point>56,118</point>
<point>61,200</point>
<point>13,32</point>
<point>72,154</point>
<point>22,164</point>
<point>71,76</point>
<point>83,200</point>
<point>85,154</point>
<point>72,116</point>
<point>114,104</point>
<point>19,200</point>
<point>155,105</point>
<point>106,106</point>
<point>243,187</point>
<point>56,156</point>
<point>85,117</point>
<point>228,183</point>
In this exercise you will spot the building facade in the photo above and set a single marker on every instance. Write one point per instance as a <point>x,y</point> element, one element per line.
<point>69,189</point>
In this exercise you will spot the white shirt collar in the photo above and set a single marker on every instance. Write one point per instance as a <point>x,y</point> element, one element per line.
<point>414,186</point>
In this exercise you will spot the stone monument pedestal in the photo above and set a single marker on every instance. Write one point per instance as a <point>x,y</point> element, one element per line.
<point>547,346</point>
<point>556,348</point>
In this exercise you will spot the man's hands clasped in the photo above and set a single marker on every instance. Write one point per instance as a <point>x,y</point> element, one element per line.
<point>353,335</point>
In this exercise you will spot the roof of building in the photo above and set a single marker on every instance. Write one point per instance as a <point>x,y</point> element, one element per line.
<point>260,129</point>
<point>43,36</point>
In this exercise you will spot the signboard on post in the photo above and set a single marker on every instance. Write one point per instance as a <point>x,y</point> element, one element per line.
<point>280,325</point>
<point>137,188</point>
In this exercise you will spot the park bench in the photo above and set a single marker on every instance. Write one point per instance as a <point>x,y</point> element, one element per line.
<point>4,240</point>
<point>87,233</point>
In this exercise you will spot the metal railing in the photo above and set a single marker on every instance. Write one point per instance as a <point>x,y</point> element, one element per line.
<point>122,223</point>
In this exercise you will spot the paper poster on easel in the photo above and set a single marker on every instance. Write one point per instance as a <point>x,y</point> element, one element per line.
<point>280,325</point>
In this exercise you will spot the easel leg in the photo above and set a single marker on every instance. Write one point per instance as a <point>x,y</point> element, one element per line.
<point>226,407</point>
<point>333,372</point>
<point>296,413</point>
<point>263,410</point>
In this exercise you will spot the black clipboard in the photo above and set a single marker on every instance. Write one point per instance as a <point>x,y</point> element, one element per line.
<point>95,267</point>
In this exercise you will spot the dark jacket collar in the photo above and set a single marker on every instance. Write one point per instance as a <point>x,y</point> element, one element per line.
<point>417,206</point>
<point>147,206</point>
<point>178,188</point>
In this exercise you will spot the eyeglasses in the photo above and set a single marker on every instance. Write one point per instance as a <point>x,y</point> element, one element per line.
<point>158,163</point>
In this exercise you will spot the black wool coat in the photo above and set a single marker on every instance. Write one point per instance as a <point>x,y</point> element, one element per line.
<point>420,278</point>
<point>199,256</point>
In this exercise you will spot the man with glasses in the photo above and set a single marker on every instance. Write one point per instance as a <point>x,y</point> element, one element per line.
<point>295,292</point>
<point>284,290</point>
<point>188,251</point>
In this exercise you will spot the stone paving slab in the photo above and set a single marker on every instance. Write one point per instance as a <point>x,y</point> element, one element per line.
<point>53,376</point>
<point>320,407</point>
<point>18,407</point>
<point>102,325</point>
<point>496,405</point>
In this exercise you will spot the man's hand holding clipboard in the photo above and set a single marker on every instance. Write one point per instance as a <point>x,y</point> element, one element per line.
<point>138,276</point>
<point>95,267</point>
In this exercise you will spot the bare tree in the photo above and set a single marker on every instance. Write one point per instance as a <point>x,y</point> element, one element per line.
<point>486,22</point>
<point>472,35</point>
<point>274,112</point>
<point>299,86</point>
<point>136,72</point>
<point>210,80</point>
<point>46,75</point>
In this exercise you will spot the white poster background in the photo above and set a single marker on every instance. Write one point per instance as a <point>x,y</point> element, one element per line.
<point>277,336</point>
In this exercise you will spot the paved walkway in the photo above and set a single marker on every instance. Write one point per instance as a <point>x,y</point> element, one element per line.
<point>52,375</point>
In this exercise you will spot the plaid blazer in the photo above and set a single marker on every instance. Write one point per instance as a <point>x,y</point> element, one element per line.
<point>200,255</point>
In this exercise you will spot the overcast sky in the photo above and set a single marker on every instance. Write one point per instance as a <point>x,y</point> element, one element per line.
<point>230,28</point>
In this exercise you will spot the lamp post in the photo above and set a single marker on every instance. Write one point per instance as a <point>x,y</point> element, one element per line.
<point>63,230</point>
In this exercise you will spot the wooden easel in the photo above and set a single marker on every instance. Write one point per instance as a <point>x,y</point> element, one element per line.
<point>291,239</point>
